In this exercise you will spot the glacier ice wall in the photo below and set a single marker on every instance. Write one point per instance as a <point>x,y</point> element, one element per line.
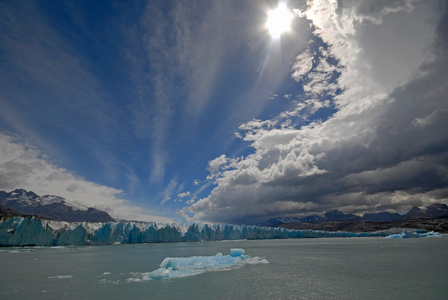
<point>25,231</point>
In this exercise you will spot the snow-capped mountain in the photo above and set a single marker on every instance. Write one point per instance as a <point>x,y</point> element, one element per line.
<point>52,207</point>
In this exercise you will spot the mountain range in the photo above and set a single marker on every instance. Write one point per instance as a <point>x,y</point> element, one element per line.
<point>21,202</point>
<point>433,211</point>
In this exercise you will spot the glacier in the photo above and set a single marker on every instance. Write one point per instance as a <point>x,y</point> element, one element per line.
<point>34,231</point>
<point>173,267</point>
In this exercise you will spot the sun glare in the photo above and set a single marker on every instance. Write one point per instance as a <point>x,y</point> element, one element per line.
<point>279,21</point>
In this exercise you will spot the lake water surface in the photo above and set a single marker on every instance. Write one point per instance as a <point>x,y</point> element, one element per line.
<point>326,268</point>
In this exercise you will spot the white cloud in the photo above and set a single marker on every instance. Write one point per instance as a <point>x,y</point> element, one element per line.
<point>189,202</point>
<point>217,163</point>
<point>303,64</point>
<point>433,118</point>
<point>183,195</point>
<point>24,166</point>
<point>170,189</point>
<point>384,148</point>
<point>375,10</point>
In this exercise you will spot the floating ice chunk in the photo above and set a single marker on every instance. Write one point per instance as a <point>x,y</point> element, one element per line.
<point>430,234</point>
<point>105,281</point>
<point>200,262</point>
<point>236,252</point>
<point>161,273</point>
<point>172,267</point>
<point>134,280</point>
<point>404,235</point>
<point>407,234</point>
<point>61,277</point>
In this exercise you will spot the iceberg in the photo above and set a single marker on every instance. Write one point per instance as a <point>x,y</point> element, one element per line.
<point>174,267</point>
<point>430,234</point>
<point>236,252</point>
<point>407,234</point>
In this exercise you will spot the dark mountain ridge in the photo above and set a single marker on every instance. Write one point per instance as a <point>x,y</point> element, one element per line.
<point>437,210</point>
<point>22,202</point>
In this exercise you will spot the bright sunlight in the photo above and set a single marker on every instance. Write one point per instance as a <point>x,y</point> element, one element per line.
<point>279,21</point>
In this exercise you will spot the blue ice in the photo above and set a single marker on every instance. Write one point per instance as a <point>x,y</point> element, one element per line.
<point>407,234</point>
<point>172,267</point>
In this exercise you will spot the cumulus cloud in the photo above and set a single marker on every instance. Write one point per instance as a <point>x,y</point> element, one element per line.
<point>181,196</point>
<point>385,146</point>
<point>24,166</point>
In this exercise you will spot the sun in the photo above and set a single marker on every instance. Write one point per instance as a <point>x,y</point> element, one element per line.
<point>279,21</point>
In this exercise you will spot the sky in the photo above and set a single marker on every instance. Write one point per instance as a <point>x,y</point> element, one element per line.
<point>191,111</point>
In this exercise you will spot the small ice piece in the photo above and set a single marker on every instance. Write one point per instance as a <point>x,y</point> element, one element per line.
<point>407,234</point>
<point>61,277</point>
<point>404,235</point>
<point>430,234</point>
<point>236,252</point>
<point>161,273</point>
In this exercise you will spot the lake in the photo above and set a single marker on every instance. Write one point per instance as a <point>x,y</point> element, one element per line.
<point>324,268</point>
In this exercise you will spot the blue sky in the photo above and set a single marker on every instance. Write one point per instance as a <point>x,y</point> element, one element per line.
<point>190,110</point>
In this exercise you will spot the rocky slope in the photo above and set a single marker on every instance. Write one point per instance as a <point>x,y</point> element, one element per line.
<point>7,212</point>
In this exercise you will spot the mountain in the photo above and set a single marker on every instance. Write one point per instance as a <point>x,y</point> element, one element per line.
<point>382,217</point>
<point>312,219</point>
<point>433,211</point>
<point>274,222</point>
<point>437,210</point>
<point>52,207</point>
<point>336,215</point>
<point>414,213</point>
<point>7,212</point>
